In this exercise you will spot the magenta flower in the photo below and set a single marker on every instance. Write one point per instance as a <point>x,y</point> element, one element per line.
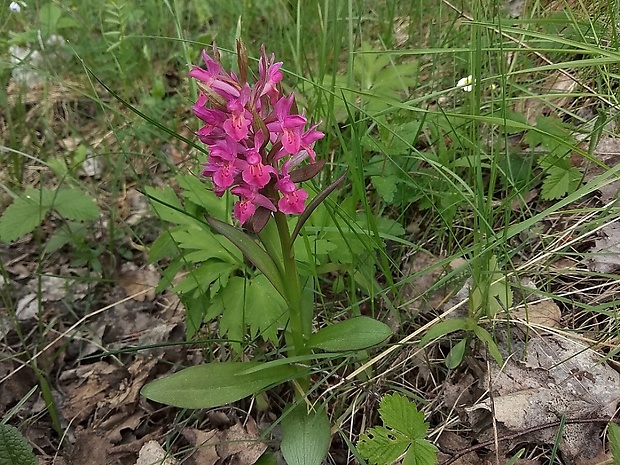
<point>253,139</point>
<point>214,78</point>
<point>256,174</point>
<point>249,200</point>
<point>271,75</point>
<point>238,123</point>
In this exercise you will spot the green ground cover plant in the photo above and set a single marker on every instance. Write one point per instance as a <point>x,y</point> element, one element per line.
<point>462,205</point>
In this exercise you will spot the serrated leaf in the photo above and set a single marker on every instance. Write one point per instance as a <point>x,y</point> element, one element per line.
<point>386,186</point>
<point>230,303</point>
<point>265,309</point>
<point>20,218</point>
<point>197,192</point>
<point>404,429</point>
<point>400,414</point>
<point>560,182</point>
<point>352,334</point>
<point>421,452</point>
<point>14,449</point>
<point>167,205</point>
<point>382,446</point>
<point>203,276</point>
<point>75,205</point>
<point>305,436</point>
<point>215,384</point>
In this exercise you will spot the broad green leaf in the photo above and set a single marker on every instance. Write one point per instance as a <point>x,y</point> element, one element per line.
<point>49,15</point>
<point>20,218</point>
<point>305,436</point>
<point>75,205</point>
<point>456,354</point>
<point>353,334</point>
<point>14,449</point>
<point>215,384</point>
<point>485,337</point>
<point>251,250</point>
<point>613,434</point>
<point>443,328</point>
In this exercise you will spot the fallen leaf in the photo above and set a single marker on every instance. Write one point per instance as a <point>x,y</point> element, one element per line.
<point>543,313</point>
<point>556,83</point>
<point>152,453</point>
<point>554,377</point>
<point>203,443</point>
<point>140,284</point>
<point>605,254</point>
<point>243,445</point>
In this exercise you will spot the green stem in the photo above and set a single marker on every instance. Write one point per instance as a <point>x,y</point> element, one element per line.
<point>292,287</point>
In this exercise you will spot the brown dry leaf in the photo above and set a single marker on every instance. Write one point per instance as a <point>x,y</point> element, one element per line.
<point>152,453</point>
<point>556,83</point>
<point>140,284</point>
<point>605,254</point>
<point>453,442</point>
<point>607,151</point>
<point>543,313</point>
<point>415,291</point>
<point>556,377</point>
<point>90,448</point>
<point>243,445</point>
<point>204,443</point>
<point>518,203</point>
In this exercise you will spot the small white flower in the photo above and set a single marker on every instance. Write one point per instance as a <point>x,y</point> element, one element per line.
<point>466,83</point>
<point>15,7</point>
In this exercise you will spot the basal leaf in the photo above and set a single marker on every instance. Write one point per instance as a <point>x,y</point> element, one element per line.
<point>14,449</point>
<point>560,182</point>
<point>215,384</point>
<point>386,186</point>
<point>231,303</point>
<point>167,205</point>
<point>305,436</point>
<point>353,334</point>
<point>442,328</point>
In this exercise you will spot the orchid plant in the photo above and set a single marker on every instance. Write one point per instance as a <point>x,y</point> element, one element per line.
<point>260,148</point>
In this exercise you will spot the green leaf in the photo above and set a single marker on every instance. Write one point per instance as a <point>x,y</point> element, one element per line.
<point>443,328</point>
<point>74,205</point>
<point>265,309</point>
<point>485,337</point>
<point>455,357</point>
<point>386,186</point>
<point>559,182</point>
<point>305,436</point>
<point>613,431</point>
<point>167,205</point>
<point>14,449</point>
<point>215,384</point>
<point>20,218</point>
<point>203,276</point>
<point>252,251</point>
<point>197,192</point>
<point>404,429</point>
<point>421,452</point>
<point>401,415</point>
<point>353,334</point>
<point>230,302</point>
<point>49,14</point>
